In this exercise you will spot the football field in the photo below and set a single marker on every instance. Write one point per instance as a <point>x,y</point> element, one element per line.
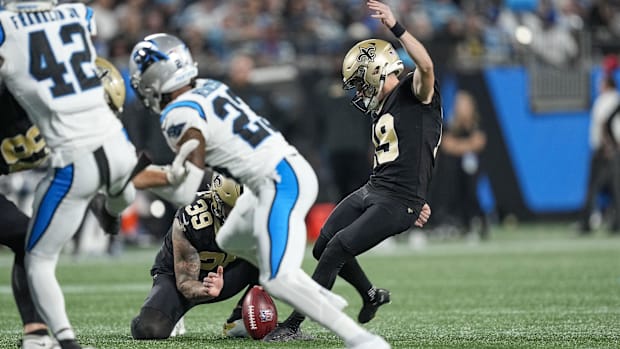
<point>528,287</point>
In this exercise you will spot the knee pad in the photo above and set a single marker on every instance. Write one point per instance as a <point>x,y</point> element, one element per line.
<point>319,246</point>
<point>151,324</point>
<point>336,248</point>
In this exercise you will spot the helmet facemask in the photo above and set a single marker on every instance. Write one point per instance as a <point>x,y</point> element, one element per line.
<point>365,68</point>
<point>225,193</point>
<point>366,95</point>
<point>150,97</point>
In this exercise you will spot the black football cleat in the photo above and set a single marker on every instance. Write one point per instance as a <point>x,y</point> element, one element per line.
<point>284,333</point>
<point>109,223</point>
<point>71,344</point>
<point>369,309</point>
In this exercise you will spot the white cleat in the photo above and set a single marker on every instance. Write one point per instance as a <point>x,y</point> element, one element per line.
<point>35,341</point>
<point>235,329</point>
<point>179,328</point>
<point>372,342</point>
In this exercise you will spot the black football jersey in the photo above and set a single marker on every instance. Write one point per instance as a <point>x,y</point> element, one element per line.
<point>199,226</point>
<point>406,134</point>
<point>21,144</point>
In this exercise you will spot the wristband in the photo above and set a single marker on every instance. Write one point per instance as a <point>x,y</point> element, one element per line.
<point>398,30</point>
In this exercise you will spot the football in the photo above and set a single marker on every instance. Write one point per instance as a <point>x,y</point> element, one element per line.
<point>259,313</point>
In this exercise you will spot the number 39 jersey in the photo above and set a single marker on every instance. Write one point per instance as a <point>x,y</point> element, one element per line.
<point>239,143</point>
<point>49,66</point>
<point>199,226</point>
<point>406,134</point>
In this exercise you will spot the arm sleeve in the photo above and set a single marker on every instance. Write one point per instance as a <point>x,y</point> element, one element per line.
<point>185,192</point>
<point>176,119</point>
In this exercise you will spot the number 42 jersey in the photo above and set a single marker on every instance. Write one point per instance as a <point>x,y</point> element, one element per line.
<point>239,143</point>
<point>49,66</point>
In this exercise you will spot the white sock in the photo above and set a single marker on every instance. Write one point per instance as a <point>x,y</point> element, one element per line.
<point>47,295</point>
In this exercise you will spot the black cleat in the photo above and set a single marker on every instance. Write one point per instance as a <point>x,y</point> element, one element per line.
<point>284,333</point>
<point>69,344</point>
<point>369,309</point>
<point>109,223</point>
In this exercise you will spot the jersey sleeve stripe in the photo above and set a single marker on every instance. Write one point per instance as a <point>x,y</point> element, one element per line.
<point>183,104</point>
<point>2,36</point>
<point>89,18</point>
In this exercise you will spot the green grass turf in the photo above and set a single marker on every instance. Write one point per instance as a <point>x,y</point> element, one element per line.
<point>529,287</point>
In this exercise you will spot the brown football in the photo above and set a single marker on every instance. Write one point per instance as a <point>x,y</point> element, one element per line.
<point>260,315</point>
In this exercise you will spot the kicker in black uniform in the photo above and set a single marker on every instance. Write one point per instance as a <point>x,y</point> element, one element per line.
<point>406,132</point>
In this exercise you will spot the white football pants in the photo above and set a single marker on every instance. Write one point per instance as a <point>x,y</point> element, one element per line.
<point>267,227</point>
<point>61,201</point>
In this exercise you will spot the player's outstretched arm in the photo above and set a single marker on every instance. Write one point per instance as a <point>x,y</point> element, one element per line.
<point>184,175</point>
<point>158,176</point>
<point>187,269</point>
<point>152,176</point>
<point>424,76</point>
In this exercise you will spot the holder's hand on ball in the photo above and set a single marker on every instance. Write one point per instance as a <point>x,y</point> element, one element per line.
<point>214,282</point>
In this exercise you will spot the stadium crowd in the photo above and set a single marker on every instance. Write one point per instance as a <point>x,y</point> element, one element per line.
<point>284,56</point>
<point>296,46</point>
<point>308,33</point>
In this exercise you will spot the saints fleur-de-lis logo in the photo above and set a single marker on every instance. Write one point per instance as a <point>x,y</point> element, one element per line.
<point>367,54</point>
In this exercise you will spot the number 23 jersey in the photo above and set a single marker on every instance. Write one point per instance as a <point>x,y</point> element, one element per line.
<point>49,68</point>
<point>239,143</point>
<point>406,134</point>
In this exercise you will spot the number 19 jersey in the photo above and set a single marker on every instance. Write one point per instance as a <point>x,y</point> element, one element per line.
<point>49,66</point>
<point>239,143</point>
<point>406,134</point>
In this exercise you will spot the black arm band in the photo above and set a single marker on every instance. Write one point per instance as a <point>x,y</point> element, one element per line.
<point>398,30</point>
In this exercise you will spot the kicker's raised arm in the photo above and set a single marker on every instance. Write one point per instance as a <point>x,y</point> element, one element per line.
<point>424,75</point>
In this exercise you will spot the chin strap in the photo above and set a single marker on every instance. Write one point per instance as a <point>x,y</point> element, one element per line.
<point>372,108</point>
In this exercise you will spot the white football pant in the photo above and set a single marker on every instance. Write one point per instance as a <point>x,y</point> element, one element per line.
<point>268,229</point>
<point>61,201</point>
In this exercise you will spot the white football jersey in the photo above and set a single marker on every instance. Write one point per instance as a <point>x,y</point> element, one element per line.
<point>239,143</point>
<point>49,66</point>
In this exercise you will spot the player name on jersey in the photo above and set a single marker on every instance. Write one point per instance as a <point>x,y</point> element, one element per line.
<point>26,19</point>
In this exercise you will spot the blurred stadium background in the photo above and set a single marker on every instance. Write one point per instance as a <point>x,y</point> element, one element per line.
<point>531,67</point>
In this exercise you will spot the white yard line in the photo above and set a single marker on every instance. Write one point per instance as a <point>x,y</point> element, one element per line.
<point>102,288</point>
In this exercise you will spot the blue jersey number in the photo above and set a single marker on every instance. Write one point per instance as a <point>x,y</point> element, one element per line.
<point>253,132</point>
<point>43,64</point>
